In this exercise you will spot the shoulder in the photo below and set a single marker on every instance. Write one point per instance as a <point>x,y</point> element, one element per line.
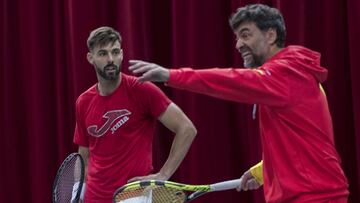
<point>133,83</point>
<point>87,95</point>
<point>148,96</point>
<point>284,62</point>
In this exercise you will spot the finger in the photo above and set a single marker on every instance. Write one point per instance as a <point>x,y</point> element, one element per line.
<point>243,182</point>
<point>145,77</point>
<point>137,65</point>
<point>238,189</point>
<point>245,188</point>
<point>143,69</point>
<point>251,184</point>
<point>133,61</point>
<point>256,184</point>
<point>134,179</point>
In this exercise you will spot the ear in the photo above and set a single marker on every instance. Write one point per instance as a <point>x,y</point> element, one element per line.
<point>122,54</point>
<point>90,58</point>
<point>271,36</point>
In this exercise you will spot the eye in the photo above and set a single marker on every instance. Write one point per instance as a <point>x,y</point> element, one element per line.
<point>116,52</point>
<point>102,53</point>
<point>244,35</point>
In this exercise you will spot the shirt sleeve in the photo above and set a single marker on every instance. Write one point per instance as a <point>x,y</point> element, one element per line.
<point>154,100</point>
<point>80,136</point>
<point>257,172</point>
<point>260,86</point>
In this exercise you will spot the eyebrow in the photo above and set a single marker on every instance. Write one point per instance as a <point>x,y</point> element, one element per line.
<point>101,50</point>
<point>244,29</point>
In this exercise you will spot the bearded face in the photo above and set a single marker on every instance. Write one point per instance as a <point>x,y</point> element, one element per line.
<point>252,43</point>
<point>107,61</point>
<point>109,72</point>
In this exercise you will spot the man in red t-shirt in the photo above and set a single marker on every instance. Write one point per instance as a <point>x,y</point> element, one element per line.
<point>300,162</point>
<point>115,123</point>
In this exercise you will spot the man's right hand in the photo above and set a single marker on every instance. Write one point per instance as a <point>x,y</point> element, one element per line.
<point>149,71</point>
<point>75,189</point>
<point>248,182</point>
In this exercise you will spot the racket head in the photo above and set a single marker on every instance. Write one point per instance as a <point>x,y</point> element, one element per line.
<point>161,191</point>
<point>71,171</point>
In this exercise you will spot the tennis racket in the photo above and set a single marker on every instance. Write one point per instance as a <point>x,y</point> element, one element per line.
<point>69,180</point>
<point>155,191</point>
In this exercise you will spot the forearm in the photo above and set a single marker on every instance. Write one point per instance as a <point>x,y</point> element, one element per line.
<point>84,152</point>
<point>176,121</point>
<point>179,149</point>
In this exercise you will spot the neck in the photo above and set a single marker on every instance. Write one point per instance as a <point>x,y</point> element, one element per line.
<point>273,50</point>
<point>106,87</point>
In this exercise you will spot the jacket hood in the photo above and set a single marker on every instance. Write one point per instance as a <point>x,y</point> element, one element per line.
<point>306,58</point>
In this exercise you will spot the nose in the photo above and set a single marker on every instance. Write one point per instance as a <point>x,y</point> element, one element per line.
<point>239,44</point>
<point>110,58</point>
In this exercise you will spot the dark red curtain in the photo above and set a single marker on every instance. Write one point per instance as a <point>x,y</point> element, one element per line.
<point>43,69</point>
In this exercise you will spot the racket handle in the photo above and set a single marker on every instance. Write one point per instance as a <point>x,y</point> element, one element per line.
<point>226,185</point>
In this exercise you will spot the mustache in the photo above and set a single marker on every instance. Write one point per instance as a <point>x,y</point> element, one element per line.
<point>244,49</point>
<point>110,65</point>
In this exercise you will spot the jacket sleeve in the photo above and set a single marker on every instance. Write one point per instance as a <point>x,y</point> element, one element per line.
<point>257,172</point>
<point>261,86</point>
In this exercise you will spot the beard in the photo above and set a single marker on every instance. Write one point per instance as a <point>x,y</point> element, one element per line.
<point>110,72</point>
<point>250,59</point>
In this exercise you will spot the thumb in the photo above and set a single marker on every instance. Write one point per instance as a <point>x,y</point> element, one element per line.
<point>134,179</point>
<point>240,187</point>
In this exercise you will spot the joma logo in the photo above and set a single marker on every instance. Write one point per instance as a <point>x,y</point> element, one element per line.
<point>111,117</point>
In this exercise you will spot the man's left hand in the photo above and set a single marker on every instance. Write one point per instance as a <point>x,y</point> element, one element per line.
<point>155,176</point>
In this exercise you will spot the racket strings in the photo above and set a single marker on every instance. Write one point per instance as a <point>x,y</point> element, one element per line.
<point>69,175</point>
<point>159,194</point>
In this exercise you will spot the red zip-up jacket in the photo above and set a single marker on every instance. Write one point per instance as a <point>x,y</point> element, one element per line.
<point>300,160</point>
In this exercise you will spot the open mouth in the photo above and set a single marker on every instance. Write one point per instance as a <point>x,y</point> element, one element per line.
<point>246,54</point>
<point>110,68</point>
<point>245,51</point>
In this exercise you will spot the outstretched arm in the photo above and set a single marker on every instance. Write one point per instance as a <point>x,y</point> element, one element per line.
<point>269,85</point>
<point>175,120</point>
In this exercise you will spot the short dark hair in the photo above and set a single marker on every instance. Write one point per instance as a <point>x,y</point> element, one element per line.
<point>102,36</point>
<point>264,17</point>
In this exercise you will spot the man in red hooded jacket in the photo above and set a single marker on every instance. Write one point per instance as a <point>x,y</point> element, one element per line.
<point>300,162</point>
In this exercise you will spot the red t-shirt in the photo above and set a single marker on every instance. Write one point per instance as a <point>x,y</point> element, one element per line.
<point>118,130</point>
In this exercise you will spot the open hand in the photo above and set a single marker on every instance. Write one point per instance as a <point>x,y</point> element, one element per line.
<point>149,71</point>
